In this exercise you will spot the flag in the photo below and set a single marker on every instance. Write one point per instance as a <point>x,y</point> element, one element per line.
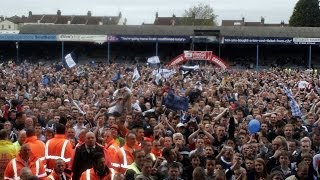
<point>81,72</point>
<point>147,112</point>
<point>175,102</point>
<point>136,75</point>
<point>158,79</point>
<point>77,106</point>
<point>295,109</point>
<point>190,68</point>
<point>186,70</point>
<point>153,60</point>
<point>162,74</point>
<point>116,77</point>
<point>70,60</point>
<point>165,73</point>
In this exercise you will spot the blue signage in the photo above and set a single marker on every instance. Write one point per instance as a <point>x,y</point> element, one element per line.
<point>131,38</point>
<point>27,37</point>
<point>110,38</point>
<point>256,40</point>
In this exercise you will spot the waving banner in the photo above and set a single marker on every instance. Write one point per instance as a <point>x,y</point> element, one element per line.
<point>198,55</point>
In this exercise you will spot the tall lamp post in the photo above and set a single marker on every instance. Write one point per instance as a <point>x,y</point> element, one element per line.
<point>108,52</point>
<point>17,48</point>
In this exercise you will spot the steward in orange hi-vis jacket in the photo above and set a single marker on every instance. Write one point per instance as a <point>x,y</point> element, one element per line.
<point>113,150</point>
<point>25,159</point>
<point>37,146</point>
<point>58,148</point>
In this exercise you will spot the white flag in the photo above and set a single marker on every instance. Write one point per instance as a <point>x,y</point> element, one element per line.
<point>167,73</point>
<point>136,75</point>
<point>154,60</point>
<point>69,60</point>
<point>158,78</point>
<point>196,67</point>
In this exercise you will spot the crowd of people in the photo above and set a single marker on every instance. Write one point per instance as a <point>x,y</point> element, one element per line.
<point>94,121</point>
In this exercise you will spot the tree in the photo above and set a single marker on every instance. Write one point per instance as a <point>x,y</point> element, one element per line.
<point>306,13</point>
<point>200,15</point>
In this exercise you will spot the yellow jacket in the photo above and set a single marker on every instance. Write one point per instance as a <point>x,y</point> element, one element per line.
<point>7,152</point>
<point>17,146</point>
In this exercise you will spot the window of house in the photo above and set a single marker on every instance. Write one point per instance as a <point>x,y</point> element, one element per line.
<point>9,26</point>
<point>2,26</point>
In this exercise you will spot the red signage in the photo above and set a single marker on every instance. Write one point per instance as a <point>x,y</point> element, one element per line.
<point>198,55</point>
<point>218,61</point>
<point>178,60</point>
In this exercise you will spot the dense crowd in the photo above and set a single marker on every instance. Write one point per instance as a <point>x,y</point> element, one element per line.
<point>95,122</point>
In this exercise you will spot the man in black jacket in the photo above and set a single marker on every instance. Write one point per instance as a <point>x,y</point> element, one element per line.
<point>83,156</point>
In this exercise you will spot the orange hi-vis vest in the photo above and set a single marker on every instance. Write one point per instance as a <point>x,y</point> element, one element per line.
<point>126,158</point>
<point>58,148</point>
<point>16,164</point>
<point>37,147</point>
<point>113,149</point>
<point>90,174</point>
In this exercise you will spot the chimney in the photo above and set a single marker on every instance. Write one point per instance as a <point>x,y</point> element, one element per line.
<point>30,13</point>
<point>243,19</point>
<point>282,24</point>
<point>59,13</point>
<point>89,14</point>
<point>120,15</point>
<point>173,15</point>
<point>262,20</point>
<point>157,15</point>
<point>38,21</point>
<point>69,22</point>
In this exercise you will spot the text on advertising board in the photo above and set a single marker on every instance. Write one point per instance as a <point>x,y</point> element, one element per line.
<point>256,40</point>
<point>198,55</point>
<point>201,54</point>
<point>81,38</point>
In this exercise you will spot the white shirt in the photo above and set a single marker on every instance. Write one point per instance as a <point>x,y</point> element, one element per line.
<point>77,128</point>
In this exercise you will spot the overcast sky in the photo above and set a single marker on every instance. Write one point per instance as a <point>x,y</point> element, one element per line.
<point>139,11</point>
